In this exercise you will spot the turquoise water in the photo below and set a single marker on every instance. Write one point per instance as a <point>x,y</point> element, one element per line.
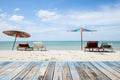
<point>57,45</point>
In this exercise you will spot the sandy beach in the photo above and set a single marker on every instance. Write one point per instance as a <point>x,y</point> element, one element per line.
<point>59,55</point>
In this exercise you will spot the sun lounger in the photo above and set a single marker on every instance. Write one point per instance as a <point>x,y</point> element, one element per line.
<point>24,47</point>
<point>92,46</point>
<point>39,46</point>
<point>105,47</point>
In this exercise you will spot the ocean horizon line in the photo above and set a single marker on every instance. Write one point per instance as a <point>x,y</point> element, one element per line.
<point>58,45</point>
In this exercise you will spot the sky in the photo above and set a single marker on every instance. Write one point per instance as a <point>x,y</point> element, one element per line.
<point>49,20</point>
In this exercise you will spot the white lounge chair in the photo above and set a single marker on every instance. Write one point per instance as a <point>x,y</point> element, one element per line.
<point>39,46</point>
<point>106,47</point>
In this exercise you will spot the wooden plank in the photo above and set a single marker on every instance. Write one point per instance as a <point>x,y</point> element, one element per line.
<point>50,71</point>
<point>106,72</point>
<point>66,72</point>
<point>80,70</point>
<point>58,72</point>
<point>73,71</point>
<point>4,63</point>
<point>110,69</point>
<point>33,71</point>
<point>116,64</point>
<point>24,72</point>
<point>113,66</point>
<point>91,74</point>
<point>98,74</point>
<point>15,72</point>
<point>1,65</point>
<point>41,72</point>
<point>1,62</point>
<point>8,69</point>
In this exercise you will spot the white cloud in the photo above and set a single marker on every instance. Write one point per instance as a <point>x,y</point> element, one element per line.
<point>107,15</point>
<point>16,18</point>
<point>111,17</point>
<point>3,15</point>
<point>9,22</point>
<point>5,25</point>
<point>17,9</point>
<point>106,21</point>
<point>46,15</point>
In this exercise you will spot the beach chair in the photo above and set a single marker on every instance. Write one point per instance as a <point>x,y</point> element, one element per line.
<point>39,46</point>
<point>106,47</point>
<point>24,47</point>
<point>92,46</point>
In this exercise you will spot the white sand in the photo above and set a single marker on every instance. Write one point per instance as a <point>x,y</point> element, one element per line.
<point>58,55</point>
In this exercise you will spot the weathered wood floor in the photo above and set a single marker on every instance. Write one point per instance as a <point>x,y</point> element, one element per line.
<point>59,70</point>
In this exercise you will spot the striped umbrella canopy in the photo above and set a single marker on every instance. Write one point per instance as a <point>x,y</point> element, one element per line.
<point>16,34</point>
<point>81,30</point>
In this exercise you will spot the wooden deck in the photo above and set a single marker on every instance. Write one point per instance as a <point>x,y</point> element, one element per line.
<point>59,70</point>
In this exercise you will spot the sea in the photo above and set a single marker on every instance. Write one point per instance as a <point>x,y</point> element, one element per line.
<point>57,45</point>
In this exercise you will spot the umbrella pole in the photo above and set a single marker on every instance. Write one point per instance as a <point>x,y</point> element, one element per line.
<point>81,42</point>
<point>14,43</point>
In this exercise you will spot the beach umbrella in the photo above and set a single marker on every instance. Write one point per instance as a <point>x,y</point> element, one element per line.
<point>16,34</point>
<point>81,30</point>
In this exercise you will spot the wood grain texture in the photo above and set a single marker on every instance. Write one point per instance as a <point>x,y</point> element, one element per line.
<point>60,70</point>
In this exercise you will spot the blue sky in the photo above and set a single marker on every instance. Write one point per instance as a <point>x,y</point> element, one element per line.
<point>49,20</point>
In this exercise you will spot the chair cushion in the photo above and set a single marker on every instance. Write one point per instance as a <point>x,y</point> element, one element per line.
<point>106,46</point>
<point>92,44</point>
<point>23,45</point>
